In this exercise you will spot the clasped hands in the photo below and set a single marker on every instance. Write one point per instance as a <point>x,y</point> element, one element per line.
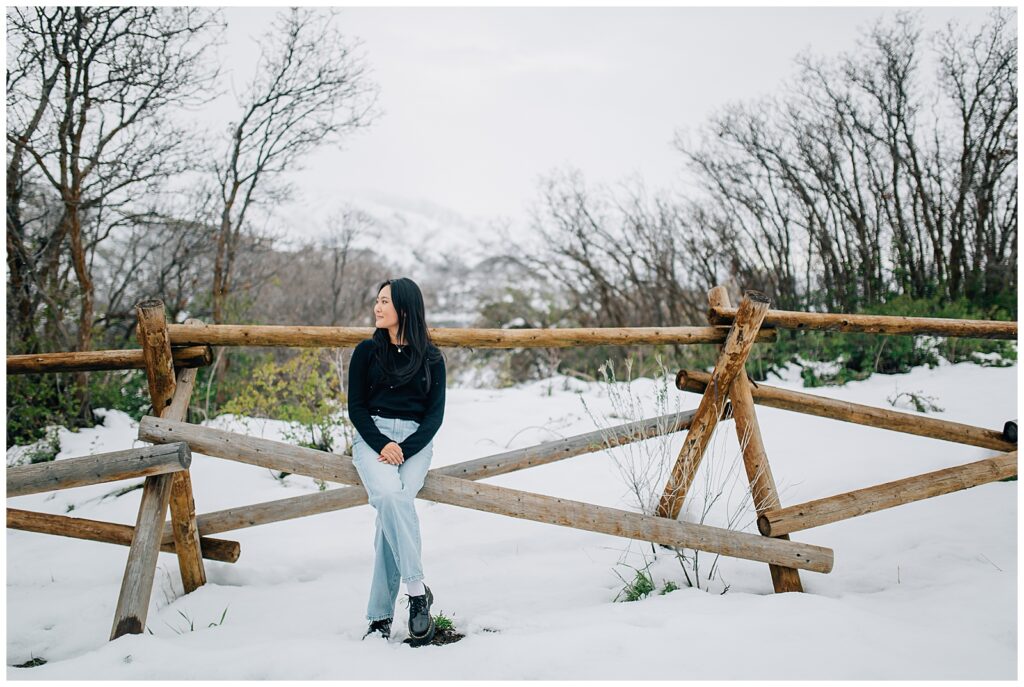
<point>392,454</point>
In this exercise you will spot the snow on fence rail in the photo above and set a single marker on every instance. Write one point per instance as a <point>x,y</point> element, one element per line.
<point>170,354</point>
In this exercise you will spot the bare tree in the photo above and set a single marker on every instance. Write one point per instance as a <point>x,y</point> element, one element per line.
<point>979,73</point>
<point>88,100</point>
<point>33,238</point>
<point>329,279</point>
<point>862,180</point>
<point>167,256</point>
<point>620,256</point>
<point>310,87</point>
<point>754,216</point>
<point>605,259</point>
<point>345,228</point>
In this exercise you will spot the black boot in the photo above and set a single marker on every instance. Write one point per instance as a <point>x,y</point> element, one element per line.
<point>421,624</point>
<point>382,626</point>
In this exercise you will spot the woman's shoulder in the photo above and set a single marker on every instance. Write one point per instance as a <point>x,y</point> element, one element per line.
<point>364,346</point>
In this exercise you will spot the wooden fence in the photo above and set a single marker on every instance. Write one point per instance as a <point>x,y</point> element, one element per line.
<point>170,354</point>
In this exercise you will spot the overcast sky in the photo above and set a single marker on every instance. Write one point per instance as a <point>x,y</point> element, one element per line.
<point>478,103</point>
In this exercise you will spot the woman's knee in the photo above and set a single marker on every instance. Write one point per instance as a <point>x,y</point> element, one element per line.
<point>414,470</point>
<point>390,497</point>
<point>413,484</point>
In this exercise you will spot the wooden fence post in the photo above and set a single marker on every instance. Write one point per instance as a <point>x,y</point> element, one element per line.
<point>755,458</point>
<point>183,506</point>
<point>137,585</point>
<point>170,400</point>
<point>730,362</point>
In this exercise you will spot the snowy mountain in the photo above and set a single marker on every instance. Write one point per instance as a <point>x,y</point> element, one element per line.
<point>414,231</point>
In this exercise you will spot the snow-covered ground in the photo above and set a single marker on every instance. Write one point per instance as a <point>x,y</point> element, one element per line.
<point>926,590</point>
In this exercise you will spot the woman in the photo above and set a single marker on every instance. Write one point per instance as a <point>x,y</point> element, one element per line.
<point>396,388</point>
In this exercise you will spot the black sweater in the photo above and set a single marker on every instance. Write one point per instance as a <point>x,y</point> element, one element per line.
<point>370,394</point>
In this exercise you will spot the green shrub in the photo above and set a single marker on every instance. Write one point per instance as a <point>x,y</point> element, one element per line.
<point>669,586</point>
<point>305,390</point>
<point>124,390</point>
<point>31,663</point>
<point>47,448</point>
<point>35,402</point>
<point>637,588</point>
<point>838,357</point>
<point>443,622</point>
<point>213,389</point>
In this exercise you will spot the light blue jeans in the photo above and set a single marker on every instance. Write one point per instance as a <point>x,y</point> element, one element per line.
<point>392,490</point>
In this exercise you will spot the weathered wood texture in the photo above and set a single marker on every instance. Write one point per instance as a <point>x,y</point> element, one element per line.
<point>851,504</point>
<point>156,350</point>
<point>97,468</point>
<point>286,335</point>
<point>137,585</point>
<point>876,324</point>
<point>494,499</point>
<point>183,523</point>
<point>109,533</point>
<point>755,458</point>
<point>76,361</point>
<point>882,418</point>
<point>169,400</point>
<point>730,362</point>
<point>478,468</point>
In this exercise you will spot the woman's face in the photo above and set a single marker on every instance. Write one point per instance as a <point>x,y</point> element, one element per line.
<point>384,310</point>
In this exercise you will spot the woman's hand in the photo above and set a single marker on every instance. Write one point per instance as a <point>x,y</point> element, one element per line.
<point>392,454</point>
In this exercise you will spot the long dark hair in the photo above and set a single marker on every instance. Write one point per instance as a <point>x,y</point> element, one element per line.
<point>412,328</point>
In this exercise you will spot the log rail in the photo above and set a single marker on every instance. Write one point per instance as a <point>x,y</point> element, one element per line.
<point>490,498</point>
<point>97,469</point>
<point>876,324</point>
<point>91,361</point>
<point>845,411</point>
<point>299,336</point>
<point>897,493</point>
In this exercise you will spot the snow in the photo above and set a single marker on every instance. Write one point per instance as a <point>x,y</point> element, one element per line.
<point>926,590</point>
